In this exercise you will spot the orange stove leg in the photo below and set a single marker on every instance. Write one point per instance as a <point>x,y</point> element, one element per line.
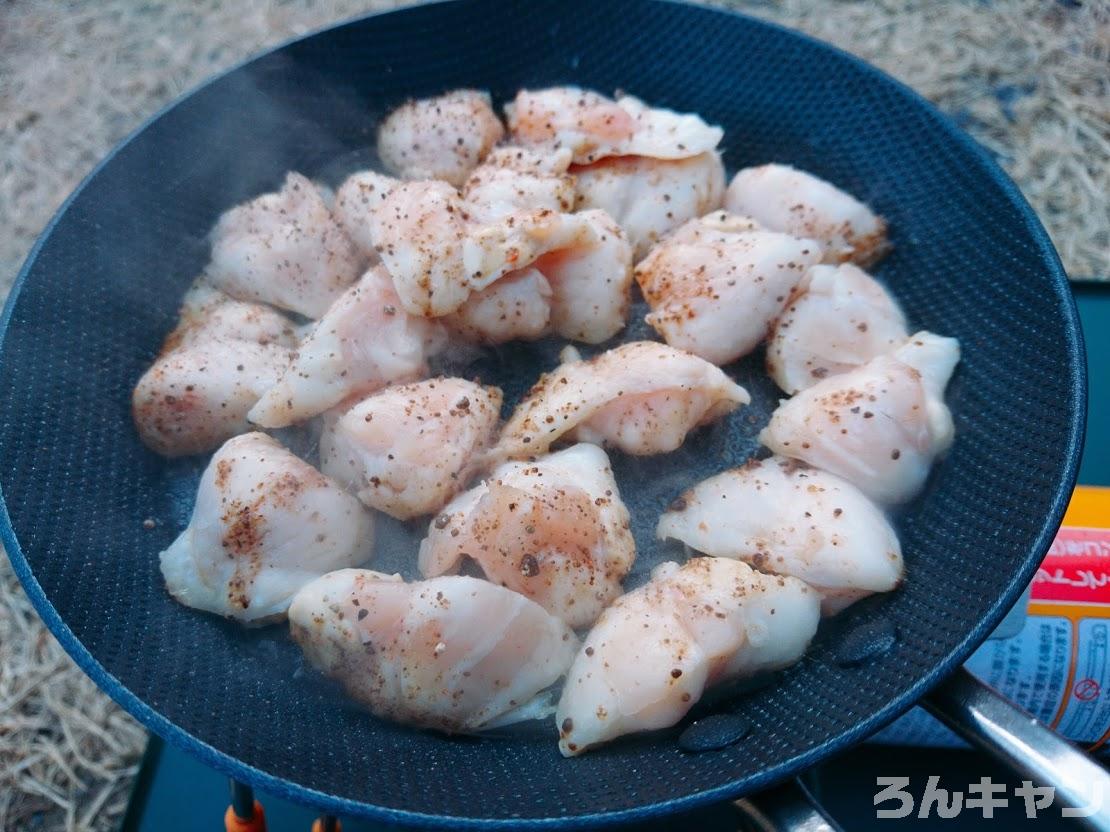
<point>245,813</point>
<point>255,823</point>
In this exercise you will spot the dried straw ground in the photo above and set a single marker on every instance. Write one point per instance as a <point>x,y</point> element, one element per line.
<point>1027,77</point>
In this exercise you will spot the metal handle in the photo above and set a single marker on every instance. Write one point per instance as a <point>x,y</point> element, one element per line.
<point>1006,732</point>
<point>787,807</point>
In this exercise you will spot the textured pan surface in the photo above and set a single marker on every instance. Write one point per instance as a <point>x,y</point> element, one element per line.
<point>102,288</point>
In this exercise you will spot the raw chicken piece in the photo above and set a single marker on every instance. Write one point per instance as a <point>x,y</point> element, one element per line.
<point>517,307</point>
<point>512,179</point>
<point>595,127</point>
<point>355,202</point>
<point>439,138</point>
<point>364,342</point>
<point>198,395</point>
<point>654,652</point>
<point>838,318</point>
<point>207,314</point>
<point>590,283</point>
<point>454,653</point>
<point>879,426</point>
<point>438,254</point>
<point>213,367</point>
<point>784,199</point>
<point>782,516</point>
<point>641,397</point>
<point>716,285</point>
<point>406,450</point>
<point>284,248</point>
<point>580,292</point>
<point>651,197</point>
<point>554,530</point>
<point>265,523</point>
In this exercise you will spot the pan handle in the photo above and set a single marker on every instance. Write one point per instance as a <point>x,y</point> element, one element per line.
<point>787,807</point>
<point>990,722</point>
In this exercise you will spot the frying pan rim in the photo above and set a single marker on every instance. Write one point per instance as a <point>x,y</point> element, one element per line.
<point>282,788</point>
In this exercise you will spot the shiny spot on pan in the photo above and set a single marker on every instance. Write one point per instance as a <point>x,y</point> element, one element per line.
<point>712,733</point>
<point>865,642</point>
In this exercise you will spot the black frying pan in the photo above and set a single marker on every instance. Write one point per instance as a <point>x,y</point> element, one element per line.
<point>101,289</point>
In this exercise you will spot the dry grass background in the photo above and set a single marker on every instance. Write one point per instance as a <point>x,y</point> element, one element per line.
<point>1028,78</point>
